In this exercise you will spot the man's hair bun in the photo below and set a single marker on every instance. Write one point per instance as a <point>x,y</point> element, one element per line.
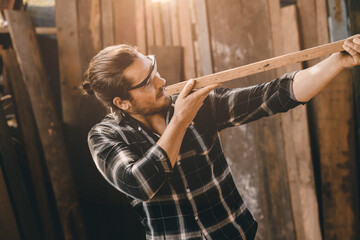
<point>87,89</point>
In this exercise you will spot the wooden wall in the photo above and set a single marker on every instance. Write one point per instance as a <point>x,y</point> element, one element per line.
<point>297,172</point>
<point>273,162</point>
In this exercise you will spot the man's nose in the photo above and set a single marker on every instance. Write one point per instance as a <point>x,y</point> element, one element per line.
<point>159,81</point>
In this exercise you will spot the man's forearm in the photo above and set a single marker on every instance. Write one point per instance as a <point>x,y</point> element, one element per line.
<point>309,82</point>
<point>172,138</point>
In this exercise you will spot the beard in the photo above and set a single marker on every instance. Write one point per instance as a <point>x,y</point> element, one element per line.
<point>148,111</point>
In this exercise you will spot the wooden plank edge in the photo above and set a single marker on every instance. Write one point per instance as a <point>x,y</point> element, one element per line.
<point>261,66</point>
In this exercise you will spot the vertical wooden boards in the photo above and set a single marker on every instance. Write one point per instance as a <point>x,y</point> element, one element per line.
<point>140,26</point>
<point>24,210</point>
<point>70,73</point>
<point>335,131</point>
<point>169,60</point>
<point>307,13</point>
<point>89,26</point>
<point>48,123</point>
<point>30,136</point>
<point>186,38</point>
<point>8,227</point>
<point>149,24</point>
<point>336,136</point>
<point>174,14</point>
<point>334,140</point>
<point>107,23</point>
<point>125,27</point>
<point>239,36</point>
<point>166,23</point>
<point>297,143</point>
<point>158,24</point>
<point>202,41</point>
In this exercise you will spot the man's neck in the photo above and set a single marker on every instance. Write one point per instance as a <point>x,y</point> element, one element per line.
<point>155,122</point>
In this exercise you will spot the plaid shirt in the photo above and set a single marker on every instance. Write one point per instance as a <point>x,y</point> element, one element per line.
<point>197,198</point>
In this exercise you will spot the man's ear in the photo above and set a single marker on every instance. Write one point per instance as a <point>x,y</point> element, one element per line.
<point>122,104</point>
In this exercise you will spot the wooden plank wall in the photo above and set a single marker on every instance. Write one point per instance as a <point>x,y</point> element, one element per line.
<point>235,28</point>
<point>214,36</point>
<point>25,119</point>
<point>49,126</point>
<point>295,130</point>
<point>333,139</point>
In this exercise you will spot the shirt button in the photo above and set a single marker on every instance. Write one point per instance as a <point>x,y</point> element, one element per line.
<point>178,163</point>
<point>139,128</point>
<point>188,190</point>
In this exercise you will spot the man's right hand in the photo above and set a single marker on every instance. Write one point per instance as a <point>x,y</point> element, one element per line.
<point>188,104</point>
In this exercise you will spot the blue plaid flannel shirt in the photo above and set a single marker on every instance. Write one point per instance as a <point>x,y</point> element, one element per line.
<point>197,199</point>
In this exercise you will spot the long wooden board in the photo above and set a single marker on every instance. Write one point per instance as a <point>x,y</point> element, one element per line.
<point>48,123</point>
<point>254,151</point>
<point>336,138</point>
<point>107,23</point>
<point>297,143</point>
<point>31,141</point>
<point>186,38</point>
<point>260,66</point>
<point>13,170</point>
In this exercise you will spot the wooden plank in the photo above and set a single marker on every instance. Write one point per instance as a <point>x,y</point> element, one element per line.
<point>297,144</point>
<point>158,26</point>
<point>79,114</point>
<point>186,38</point>
<point>8,226</point>
<point>336,145</point>
<point>307,14</point>
<point>202,49</point>
<point>258,162</point>
<point>335,133</point>
<point>48,123</point>
<point>261,66</point>
<point>174,14</point>
<point>166,23</point>
<point>169,60</point>
<point>24,210</point>
<point>89,24</point>
<point>30,136</point>
<point>107,23</point>
<point>149,24</point>
<point>125,26</point>
<point>69,59</point>
<point>140,26</point>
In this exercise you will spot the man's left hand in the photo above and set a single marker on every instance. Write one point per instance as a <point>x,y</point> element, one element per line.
<point>351,57</point>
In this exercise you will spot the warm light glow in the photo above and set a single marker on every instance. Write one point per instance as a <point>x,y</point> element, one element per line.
<point>160,0</point>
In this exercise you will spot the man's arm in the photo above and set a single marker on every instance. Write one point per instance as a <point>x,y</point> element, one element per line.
<point>142,175</point>
<point>309,82</point>
<point>186,107</point>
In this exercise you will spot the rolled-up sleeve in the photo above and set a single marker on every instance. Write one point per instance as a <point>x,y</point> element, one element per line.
<point>138,176</point>
<point>242,105</point>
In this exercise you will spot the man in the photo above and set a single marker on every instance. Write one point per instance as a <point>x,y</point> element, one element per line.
<point>164,152</point>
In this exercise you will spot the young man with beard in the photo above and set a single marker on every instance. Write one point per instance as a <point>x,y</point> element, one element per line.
<point>164,152</point>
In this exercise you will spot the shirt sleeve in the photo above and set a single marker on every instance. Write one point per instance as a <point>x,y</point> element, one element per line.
<point>242,105</point>
<point>137,176</point>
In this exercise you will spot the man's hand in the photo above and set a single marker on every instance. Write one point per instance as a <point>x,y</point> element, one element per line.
<point>187,105</point>
<point>351,57</point>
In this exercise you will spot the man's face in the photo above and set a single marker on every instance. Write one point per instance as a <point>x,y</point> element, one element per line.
<point>146,88</point>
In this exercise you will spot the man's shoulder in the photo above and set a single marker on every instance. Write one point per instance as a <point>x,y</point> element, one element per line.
<point>110,125</point>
